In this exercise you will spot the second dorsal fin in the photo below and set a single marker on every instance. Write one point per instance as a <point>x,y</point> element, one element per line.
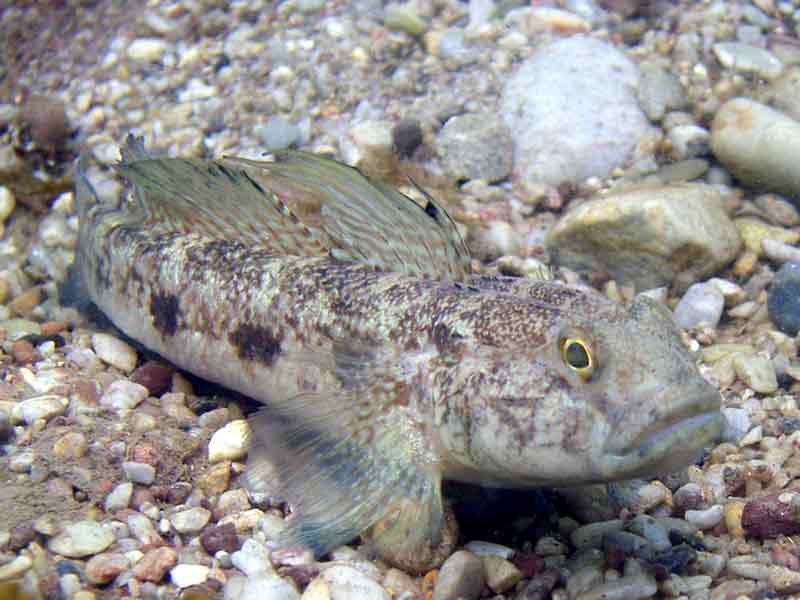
<point>368,222</point>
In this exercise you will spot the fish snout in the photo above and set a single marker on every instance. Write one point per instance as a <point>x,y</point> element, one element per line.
<point>665,431</point>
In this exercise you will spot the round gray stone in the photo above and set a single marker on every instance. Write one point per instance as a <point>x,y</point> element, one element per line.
<point>573,112</point>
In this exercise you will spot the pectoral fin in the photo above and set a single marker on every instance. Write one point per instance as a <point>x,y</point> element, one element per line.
<point>353,460</point>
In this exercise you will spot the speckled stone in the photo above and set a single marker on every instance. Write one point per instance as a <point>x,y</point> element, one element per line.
<point>783,300</point>
<point>649,237</point>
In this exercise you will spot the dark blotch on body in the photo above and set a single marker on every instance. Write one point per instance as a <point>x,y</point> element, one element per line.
<point>164,308</point>
<point>256,343</point>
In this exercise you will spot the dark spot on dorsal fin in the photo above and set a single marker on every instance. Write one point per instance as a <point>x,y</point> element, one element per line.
<point>253,182</point>
<point>164,308</point>
<point>256,343</point>
<point>432,211</point>
<point>224,170</point>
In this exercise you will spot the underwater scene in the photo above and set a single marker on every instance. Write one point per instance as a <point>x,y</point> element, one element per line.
<point>413,300</point>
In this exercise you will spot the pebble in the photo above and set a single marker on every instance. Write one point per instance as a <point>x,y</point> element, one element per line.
<point>591,535</point>
<point>549,546</point>
<point>659,90</point>
<point>707,518</point>
<point>748,59</point>
<point>113,351</point>
<point>501,575</point>
<point>461,576</point>
<point>278,133</point>
<point>41,407</point>
<point>21,462</point>
<point>476,146</point>
<point>748,567</point>
<point>641,236</point>
<point>603,127</point>
<point>70,446</point>
<point>783,299</point>
<point>625,588</point>
<point>341,582</point>
<point>584,579</point>
<point>701,305</point>
<point>404,17</point>
<point>142,529</point>
<point>192,520</point>
<point>80,539</point>
<point>229,442</point>
<point>7,203</point>
<point>147,50</point>
<point>779,210</point>
<point>754,232</point>
<point>369,146</point>
<point>186,575</point>
<point>123,395</point>
<point>263,586</point>
<point>138,472</point>
<point>758,144</point>
<point>757,372</point>
<point>628,543</point>
<point>689,496</point>
<point>153,566</point>
<point>15,568</point>
<point>156,377</point>
<point>103,568</point>
<point>221,537</point>
<point>784,580</point>
<point>252,558</point>
<point>779,251</point>
<point>482,548</point>
<point>652,530</point>
<point>688,141</point>
<point>772,515</point>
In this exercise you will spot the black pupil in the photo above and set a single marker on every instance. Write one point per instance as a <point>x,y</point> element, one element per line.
<point>577,357</point>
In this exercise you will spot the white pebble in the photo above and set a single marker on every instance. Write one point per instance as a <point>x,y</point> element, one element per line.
<point>7,203</point>
<point>114,352</point>
<point>252,558</point>
<point>186,575</point>
<point>147,50</point>
<point>705,519</point>
<point>41,407</point>
<point>229,442</point>
<point>123,395</point>
<point>119,497</point>
<point>15,568</point>
<point>261,586</point>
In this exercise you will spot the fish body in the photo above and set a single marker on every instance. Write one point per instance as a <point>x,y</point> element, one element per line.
<point>383,363</point>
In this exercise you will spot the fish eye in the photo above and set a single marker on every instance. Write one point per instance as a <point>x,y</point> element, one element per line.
<point>577,356</point>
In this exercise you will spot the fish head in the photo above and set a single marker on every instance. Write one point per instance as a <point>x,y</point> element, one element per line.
<point>597,393</point>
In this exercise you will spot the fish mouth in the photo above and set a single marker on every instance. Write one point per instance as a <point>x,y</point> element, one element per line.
<point>666,447</point>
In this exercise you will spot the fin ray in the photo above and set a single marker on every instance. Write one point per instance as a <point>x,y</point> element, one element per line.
<point>370,222</point>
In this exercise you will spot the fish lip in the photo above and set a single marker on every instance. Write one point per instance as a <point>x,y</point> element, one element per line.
<point>666,449</point>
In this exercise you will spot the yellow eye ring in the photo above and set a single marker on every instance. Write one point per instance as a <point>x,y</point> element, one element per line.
<point>577,356</point>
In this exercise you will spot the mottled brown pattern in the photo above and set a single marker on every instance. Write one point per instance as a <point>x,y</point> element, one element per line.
<point>384,380</point>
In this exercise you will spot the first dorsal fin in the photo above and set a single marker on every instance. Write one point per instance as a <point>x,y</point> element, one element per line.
<point>216,199</point>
